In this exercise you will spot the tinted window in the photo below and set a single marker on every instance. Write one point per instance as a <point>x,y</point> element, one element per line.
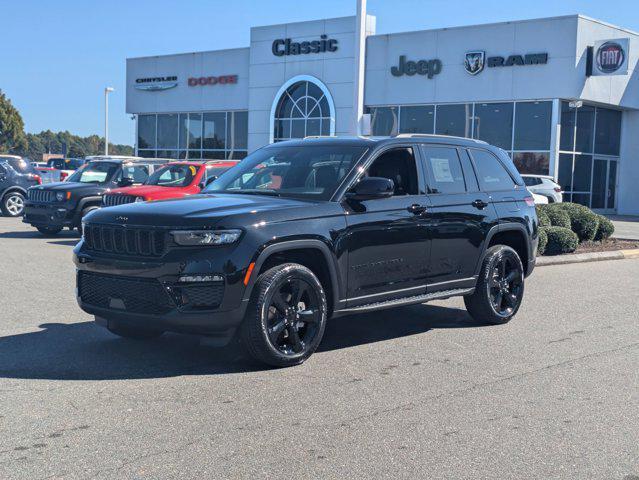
<point>399,166</point>
<point>454,120</point>
<point>608,131</point>
<point>585,128</point>
<point>445,174</point>
<point>138,173</point>
<point>146,131</point>
<point>565,171</point>
<point>214,130</point>
<point>531,181</point>
<point>173,176</point>
<point>568,118</point>
<point>167,131</point>
<point>94,172</point>
<point>582,172</point>
<point>494,123</point>
<point>418,119</point>
<point>493,176</point>
<point>237,137</point>
<point>195,131</point>
<point>532,125</point>
<point>383,120</point>
<point>312,171</point>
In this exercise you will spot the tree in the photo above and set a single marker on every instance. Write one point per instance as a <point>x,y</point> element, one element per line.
<point>12,137</point>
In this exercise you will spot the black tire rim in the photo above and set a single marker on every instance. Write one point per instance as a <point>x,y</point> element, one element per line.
<point>293,317</point>
<point>505,287</point>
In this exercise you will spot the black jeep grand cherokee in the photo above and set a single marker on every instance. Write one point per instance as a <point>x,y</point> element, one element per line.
<point>304,230</point>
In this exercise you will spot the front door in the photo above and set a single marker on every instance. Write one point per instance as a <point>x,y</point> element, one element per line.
<point>604,185</point>
<point>387,239</point>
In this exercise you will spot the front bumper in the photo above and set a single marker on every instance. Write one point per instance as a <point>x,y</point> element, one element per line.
<point>48,214</point>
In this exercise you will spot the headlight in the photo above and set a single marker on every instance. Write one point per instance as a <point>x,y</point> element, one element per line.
<point>139,199</point>
<point>60,196</point>
<point>205,237</point>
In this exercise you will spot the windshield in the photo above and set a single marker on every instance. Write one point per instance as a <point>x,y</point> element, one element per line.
<point>173,176</point>
<point>94,172</point>
<point>308,171</point>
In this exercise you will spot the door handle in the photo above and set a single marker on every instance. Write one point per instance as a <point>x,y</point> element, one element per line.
<point>417,209</point>
<point>479,204</point>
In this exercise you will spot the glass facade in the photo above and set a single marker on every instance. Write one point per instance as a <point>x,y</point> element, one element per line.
<point>588,155</point>
<point>209,135</point>
<point>521,128</point>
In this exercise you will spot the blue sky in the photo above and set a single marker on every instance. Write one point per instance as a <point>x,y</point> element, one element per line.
<point>57,57</point>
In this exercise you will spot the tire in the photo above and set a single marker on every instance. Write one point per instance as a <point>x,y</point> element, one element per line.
<point>134,333</point>
<point>278,330</point>
<point>49,230</point>
<point>497,286</point>
<point>12,204</point>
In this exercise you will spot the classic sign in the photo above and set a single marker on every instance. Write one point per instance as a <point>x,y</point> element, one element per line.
<point>286,46</point>
<point>428,68</point>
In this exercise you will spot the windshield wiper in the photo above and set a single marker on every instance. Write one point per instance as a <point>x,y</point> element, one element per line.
<point>272,193</point>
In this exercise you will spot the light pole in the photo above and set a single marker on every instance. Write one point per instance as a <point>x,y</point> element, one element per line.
<point>107,90</point>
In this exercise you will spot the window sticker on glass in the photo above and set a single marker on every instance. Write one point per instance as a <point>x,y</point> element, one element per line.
<point>441,170</point>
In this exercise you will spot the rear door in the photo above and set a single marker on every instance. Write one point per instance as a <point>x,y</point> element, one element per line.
<point>459,218</point>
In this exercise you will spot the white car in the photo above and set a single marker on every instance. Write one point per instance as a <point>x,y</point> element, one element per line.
<point>544,185</point>
<point>539,199</point>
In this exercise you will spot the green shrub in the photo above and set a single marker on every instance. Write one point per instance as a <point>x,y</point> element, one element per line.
<point>542,216</point>
<point>543,241</point>
<point>560,240</point>
<point>583,221</point>
<point>557,216</point>
<point>605,229</point>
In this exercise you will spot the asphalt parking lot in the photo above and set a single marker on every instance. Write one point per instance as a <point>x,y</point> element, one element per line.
<point>417,392</point>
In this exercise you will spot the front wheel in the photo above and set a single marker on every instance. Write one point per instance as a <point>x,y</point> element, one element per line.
<point>286,318</point>
<point>13,204</point>
<point>500,287</point>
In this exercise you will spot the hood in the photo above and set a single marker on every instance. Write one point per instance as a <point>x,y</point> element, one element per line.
<point>151,191</point>
<point>196,210</point>
<point>72,187</point>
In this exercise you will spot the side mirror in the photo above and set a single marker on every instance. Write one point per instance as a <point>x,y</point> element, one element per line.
<point>211,179</point>
<point>369,188</point>
<point>125,182</point>
<point>201,185</point>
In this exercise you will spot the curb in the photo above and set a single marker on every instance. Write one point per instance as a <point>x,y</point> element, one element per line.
<point>587,257</point>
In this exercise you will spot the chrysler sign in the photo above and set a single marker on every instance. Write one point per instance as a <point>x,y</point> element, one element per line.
<point>153,84</point>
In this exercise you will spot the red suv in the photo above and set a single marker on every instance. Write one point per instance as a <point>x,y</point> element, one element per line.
<point>173,180</point>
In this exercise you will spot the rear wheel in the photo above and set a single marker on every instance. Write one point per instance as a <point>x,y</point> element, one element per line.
<point>49,230</point>
<point>500,287</point>
<point>13,204</point>
<point>134,333</point>
<point>285,321</point>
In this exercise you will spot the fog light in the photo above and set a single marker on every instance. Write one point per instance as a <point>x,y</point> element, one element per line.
<point>200,278</point>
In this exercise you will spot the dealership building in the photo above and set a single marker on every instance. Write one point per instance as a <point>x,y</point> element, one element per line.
<point>560,95</point>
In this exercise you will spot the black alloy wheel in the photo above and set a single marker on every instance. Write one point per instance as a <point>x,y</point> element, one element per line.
<point>506,286</point>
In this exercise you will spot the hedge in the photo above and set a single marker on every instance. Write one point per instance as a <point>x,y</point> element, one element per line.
<point>605,229</point>
<point>583,221</point>
<point>557,216</point>
<point>543,240</point>
<point>560,240</point>
<point>542,216</point>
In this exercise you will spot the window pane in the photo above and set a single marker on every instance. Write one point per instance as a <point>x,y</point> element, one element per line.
<point>494,123</point>
<point>532,125</point>
<point>237,136</point>
<point>582,198</point>
<point>313,126</point>
<point>195,131</point>
<point>608,131</point>
<point>582,173</point>
<point>297,128</point>
<point>383,120</point>
<point>214,130</point>
<point>600,170</point>
<point>537,163</point>
<point>585,128</point>
<point>493,176</point>
<point>167,130</point>
<point>565,171</point>
<point>567,138</point>
<point>444,170</point>
<point>146,153</point>
<point>146,131</point>
<point>183,131</point>
<point>166,154</point>
<point>282,129</point>
<point>236,154</point>
<point>454,120</point>
<point>419,119</point>
<point>326,126</point>
<point>214,154</point>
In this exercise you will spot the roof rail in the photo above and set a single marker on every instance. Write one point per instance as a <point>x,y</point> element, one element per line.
<point>432,135</point>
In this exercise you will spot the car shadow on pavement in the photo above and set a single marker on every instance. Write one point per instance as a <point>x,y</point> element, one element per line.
<point>84,351</point>
<point>37,235</point>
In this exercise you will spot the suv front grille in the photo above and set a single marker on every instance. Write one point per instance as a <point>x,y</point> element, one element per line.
<point>137,295</point>
<point>111,200</point>
<point>125,240</point>
<point>37,195</point>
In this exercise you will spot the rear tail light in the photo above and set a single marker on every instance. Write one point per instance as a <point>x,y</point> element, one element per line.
<point>530,201</point>
<point>38,179</point>
<point>557,189</point>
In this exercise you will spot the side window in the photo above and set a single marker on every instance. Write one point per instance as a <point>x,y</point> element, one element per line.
<point>531,181</point>
<point>398,165</point>
<point>493,176</point>
<point>445,174</point>
<point>138,173</point>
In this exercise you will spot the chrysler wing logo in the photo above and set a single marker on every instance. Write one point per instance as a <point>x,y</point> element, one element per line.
<point>154,84</point>
<point>474,61</point>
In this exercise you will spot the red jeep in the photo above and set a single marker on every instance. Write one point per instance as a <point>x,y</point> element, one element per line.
<point>173,180</point>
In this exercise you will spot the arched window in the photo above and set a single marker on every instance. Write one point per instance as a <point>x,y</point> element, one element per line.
<point>303,108</point>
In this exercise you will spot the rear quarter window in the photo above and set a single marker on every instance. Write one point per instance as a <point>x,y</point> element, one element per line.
<point>491,172</point>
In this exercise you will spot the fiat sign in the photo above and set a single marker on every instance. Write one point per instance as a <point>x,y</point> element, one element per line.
<point>611,57</point>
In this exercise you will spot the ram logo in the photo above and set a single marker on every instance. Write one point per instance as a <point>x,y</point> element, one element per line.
<point>474,62</point>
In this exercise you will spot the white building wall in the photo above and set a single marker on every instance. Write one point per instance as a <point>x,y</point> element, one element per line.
<point>628,176</point>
